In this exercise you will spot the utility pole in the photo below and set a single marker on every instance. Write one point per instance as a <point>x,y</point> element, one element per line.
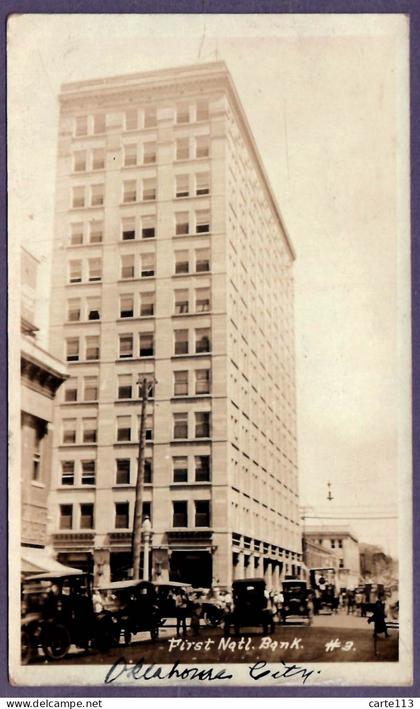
<point>138,506</point>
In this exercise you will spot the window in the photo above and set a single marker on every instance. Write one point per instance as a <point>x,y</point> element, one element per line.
<point>146,348</point>
<point>89,430</point>
<point>128,231</point>
<point>202,300</point>
<point>86,516</point>
<point>203,221</point>
<point>98,159</point>
<point>181,262</point>
<point>202,468</point>
<point>130,155</point>
<point>148,226</point>
<point>341,563</point>
<point>99,123</point>
<point>181,383</point>
<point>150,118</point>
<point>180,425</point>
<point>340,543</point>
<point>92,347</point>
<point>202,111</point>
<point>182,223</point>
<point>181,302</point>
<point>73,309</point>
<point>95,269</point>
<point>127,266</point>
<point>122,515</point>
<point>149,189</point>
<point>180,469</point>
<point>95,232</point>
<point>149,153</point>
<point>202,424</point>
<point>125,388</point>
<point>147,265</point>
<point>97,195</point>
<point>75,271</point>
<point>90,388</point>
<point>202,260</point>
<point>182,149</point>
<point>67,472</point>
<point>123,471</point>
<point>36,467</point>
<point>181,342</point>
<point>81,125</point>
<point>202,146</point>
<point>66,517</point>
<point>148,471</point>
<point>123,428</point>
<point>202,183</point>
<point>126,306</point>
<point>332,543</point>
<point>78,199</point>
<point>88,472</point>
<point>148,427</point>
<point>126,346</point>
<point>202,381</point>
<point>180,514</point>
<point>79,161</point>
<point>147,304</point>
<point>202,513</point>
<point>146,510</point>
<point>93,308</point>
<point>182,188</point>
<point>202,340</point>
<point>131,119</point>
<point>183,113</point>
<point>76,234</point>
<point>70,391</point>
<point>129,191</point>
<point>72,344</point>
<point>69,431</point>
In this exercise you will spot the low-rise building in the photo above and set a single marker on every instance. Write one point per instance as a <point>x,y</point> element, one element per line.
<point>339,543</point>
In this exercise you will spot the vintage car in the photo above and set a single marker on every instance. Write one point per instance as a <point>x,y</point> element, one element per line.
<point>249,607</point>
<point>132,605</point>
<point>166,592</point>
<point>296,601</point>
<point>57,611</point>
<point>215,604</point>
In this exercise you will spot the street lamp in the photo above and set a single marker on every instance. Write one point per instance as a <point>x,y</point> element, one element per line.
<point>146,529</point>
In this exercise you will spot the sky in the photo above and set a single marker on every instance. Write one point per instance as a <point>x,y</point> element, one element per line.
<point>326,100</point>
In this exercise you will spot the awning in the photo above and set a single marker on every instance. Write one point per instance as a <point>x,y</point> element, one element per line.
<point>34,561</point>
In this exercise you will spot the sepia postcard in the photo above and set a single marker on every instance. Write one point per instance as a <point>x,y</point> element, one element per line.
<point>209,365</point>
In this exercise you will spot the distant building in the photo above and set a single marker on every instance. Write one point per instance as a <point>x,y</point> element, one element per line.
<point>316,555</point>
<point>41,375</point>
<point>376,566</point>
<point>171,261</point>
<point>338,542</point>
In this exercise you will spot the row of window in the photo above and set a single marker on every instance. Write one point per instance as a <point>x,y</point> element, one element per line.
<point>86,515</point>
<point>138,118</point>
<point>145,227</point>
<point>84,471</point>
<point>139,305</point>
<point>88,348</point>
<point>144,190</point>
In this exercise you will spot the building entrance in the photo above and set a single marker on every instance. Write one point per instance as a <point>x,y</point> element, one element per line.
<point>192,567</point>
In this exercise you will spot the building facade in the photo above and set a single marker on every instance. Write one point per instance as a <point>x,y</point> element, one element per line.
<point>41,375</point>
<point>343,545</point>
<point>171,262</point>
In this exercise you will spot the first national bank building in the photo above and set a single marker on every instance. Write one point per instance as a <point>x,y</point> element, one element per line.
<point>171,261</point>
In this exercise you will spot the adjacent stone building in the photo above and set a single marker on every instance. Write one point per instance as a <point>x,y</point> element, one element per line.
<point>171,260</point>
<point>341,543</point>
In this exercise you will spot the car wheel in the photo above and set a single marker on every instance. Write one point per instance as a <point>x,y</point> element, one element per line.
<point>55,641</point>
<point>26,649</point>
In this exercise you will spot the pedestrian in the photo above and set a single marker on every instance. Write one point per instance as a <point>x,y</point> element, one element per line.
<point>350,602</point>
<point>378,619</point>
<point>181,607</point>
<point>196,611</point>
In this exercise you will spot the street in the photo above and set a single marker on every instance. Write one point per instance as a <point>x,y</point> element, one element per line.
<point>330,638</point>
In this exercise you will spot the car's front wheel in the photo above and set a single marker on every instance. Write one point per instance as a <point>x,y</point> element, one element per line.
<point>55,641</point>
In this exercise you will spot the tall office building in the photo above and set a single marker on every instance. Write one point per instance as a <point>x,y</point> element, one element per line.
<point>171,260</point>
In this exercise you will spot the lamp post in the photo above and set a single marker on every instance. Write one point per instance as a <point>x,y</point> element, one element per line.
<point>146,529</point>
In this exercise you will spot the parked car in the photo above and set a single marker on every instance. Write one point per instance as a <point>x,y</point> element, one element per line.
<point>249,607</point>
<point>57,611</point>
<point>166,592</point>
<point>296,601</point>
<point>132,605</point>
<point>215,604</point>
